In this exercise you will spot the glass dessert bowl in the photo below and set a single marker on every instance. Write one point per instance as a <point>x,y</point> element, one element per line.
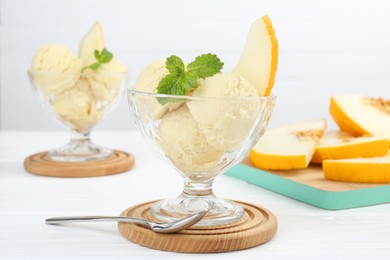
<point>201,137</point>
<point>79,101</point>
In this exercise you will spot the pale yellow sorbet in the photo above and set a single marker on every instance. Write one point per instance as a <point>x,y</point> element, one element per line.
<point>78,107</point>
<point>225,124</point>
<point>107,81</point>
<point>185,144</point>
<point>58,68</point>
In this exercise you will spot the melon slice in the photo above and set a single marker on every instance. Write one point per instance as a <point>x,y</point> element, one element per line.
<point>92,40</point>
<point>361,115</point>
<point>288,147</point>
<point>342,145</point>
<point>361,170</point>
<point>259,59</point>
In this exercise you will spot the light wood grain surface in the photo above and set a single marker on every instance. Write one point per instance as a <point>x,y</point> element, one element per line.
<point>304,232</point>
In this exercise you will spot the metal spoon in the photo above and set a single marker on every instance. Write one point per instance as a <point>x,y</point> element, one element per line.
<point>169,227</point>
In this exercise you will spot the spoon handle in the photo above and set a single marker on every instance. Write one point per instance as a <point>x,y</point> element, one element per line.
<point>60,220</point>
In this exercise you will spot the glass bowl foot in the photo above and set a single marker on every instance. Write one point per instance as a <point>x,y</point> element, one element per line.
<point>220,211</point>
<point>79,152</point>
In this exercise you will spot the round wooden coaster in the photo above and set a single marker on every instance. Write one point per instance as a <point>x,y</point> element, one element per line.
<point>41,164</point>
<point>256,227</point>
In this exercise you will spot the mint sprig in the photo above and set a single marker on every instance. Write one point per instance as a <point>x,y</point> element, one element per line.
<point>181,79</point>
<point>102,57</point>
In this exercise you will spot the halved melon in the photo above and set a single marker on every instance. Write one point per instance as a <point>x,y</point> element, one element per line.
<point>361,170</point>
<point>342,145</point>
<point>259,59</point>
<point>92,40</point>
<point>288,147</point>
<point>361,115</point>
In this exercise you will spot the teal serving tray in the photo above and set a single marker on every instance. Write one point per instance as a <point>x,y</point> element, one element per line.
<point>310,186</point>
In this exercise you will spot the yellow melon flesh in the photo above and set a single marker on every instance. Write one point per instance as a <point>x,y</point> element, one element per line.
<point>342,145</point>
<point>259,59</point>
<point>361,115</point>
<point>92,40</point>
<point>288,147</point>
<point>361,170</point>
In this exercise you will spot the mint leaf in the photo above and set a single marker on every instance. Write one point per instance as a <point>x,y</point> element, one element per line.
<point>205,65</point>
<point>170,84</point>
<point>175,65</point>
<point>105,56</point>
<point>180,81</point>
<point>174,85</point>
<point>96,54</point>
<point>95,66</point>
<point>102,57</point>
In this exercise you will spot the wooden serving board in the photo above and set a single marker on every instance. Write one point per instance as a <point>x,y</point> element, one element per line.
<point>41,164</point>
<point>256,227</point>
<point>310,186</point>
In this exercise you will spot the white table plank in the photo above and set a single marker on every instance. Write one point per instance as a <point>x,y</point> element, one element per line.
<point>305,232</point>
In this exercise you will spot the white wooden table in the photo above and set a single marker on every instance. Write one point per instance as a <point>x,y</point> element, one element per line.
<point>305,232</point>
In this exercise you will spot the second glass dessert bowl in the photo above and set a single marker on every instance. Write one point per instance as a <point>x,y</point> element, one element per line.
<point>200,137</point>
<point>79,101</point>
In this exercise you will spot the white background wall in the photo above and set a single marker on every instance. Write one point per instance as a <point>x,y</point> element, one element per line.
<point>326,46</point>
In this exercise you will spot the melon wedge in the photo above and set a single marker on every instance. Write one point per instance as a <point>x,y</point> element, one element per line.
<point>361,115</point>
<point>342,145</point>
<point>288,147</point>
<point>361,170</point>
<point>92,40</point>
<point>259,58</point>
